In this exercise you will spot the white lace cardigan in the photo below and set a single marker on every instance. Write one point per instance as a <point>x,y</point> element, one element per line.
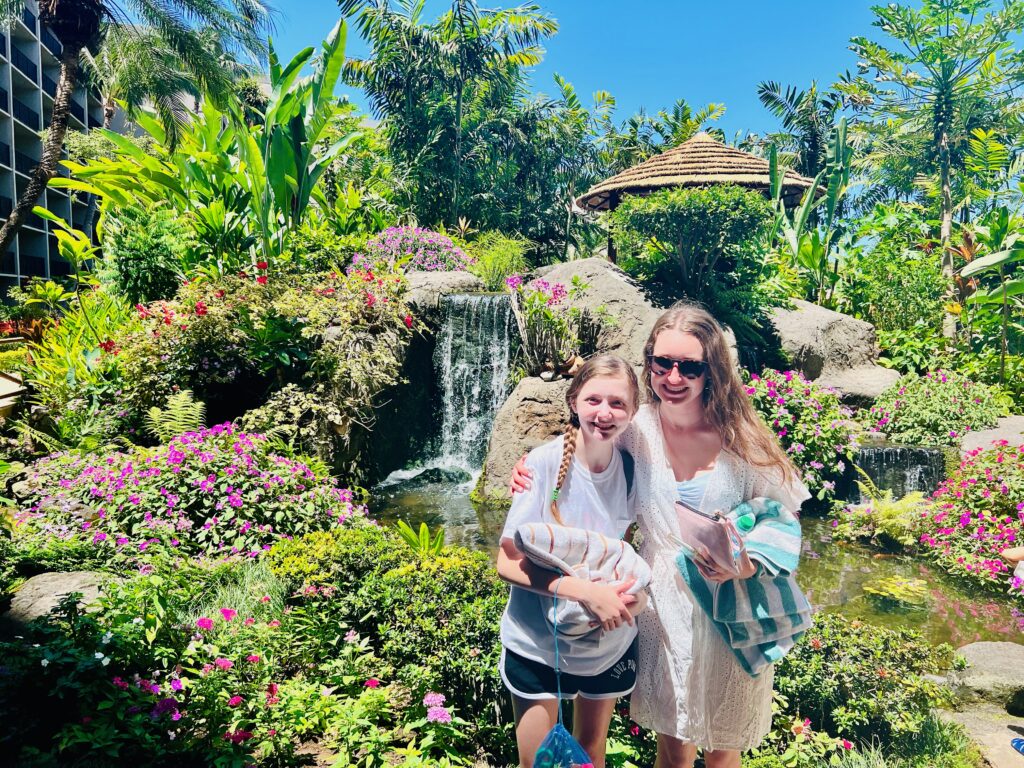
<point>689,685</point>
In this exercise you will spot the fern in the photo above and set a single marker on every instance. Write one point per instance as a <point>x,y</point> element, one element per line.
<point>181,413</point>
<point>893,522</point>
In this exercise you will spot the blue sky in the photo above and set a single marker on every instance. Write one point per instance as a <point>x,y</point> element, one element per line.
<point>651,52</point>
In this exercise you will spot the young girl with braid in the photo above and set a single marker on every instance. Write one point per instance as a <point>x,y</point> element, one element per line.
<point>580,481</point>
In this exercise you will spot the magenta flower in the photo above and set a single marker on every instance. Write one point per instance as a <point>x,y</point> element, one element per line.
<point>438,715</point>
<point>252,658</point>
<point>205,623</point>
<point>228,613</point>
<point>223,663</point>
<point>234,701</point>
<point>373,682</point>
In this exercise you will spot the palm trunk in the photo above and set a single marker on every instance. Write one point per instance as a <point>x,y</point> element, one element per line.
<point>47,167</point>
<point>458,153</point>
<point>946,231</point>
<point>109,108</point>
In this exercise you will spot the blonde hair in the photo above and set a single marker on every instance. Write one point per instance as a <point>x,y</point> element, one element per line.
<point>726,405</point>
<point>601,366</point>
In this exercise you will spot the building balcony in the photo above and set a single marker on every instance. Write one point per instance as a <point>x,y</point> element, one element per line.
<point>9,263</point>
<point>24,64</point>
<point>78,111</point>
<point>29,19</point>
<point>32,220</point>
<point>5,101</point>
<point>49,85</point>
<point>5,154</point>
<point>3,44</point>
<point>33,266</point>
<point>6,206</point>
<point>23,163</point>
<point>25,113</point>
<point>53,45</point>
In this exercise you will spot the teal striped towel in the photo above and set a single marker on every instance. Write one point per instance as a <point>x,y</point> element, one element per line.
<point>762,617</point>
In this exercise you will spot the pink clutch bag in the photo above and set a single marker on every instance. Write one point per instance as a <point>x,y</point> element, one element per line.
<point>712,535</point>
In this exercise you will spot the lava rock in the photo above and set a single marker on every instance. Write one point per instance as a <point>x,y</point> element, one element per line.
<point>437,476</point>
<point>994,673</point>
<point>41,594</point>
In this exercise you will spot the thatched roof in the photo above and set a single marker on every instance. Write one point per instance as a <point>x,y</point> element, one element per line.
<point>698,162</point>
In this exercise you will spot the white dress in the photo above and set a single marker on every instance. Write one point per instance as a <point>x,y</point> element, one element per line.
<point>689,684</point>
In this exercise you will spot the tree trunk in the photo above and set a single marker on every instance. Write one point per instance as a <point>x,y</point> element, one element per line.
<point>458,153</point>
<point>946,231</point>
<point>47,167</point>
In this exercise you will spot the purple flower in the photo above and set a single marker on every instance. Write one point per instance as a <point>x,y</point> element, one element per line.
<point>438,715</point>
<point>433,700</point>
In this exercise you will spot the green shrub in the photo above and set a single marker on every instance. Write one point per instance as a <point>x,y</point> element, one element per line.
<point>862,682</point>
<point>213,491</point>
<point>810,423</point>
<point>497,257</point>
<point>704,244</point>
<point>894,288</point>
<point>145,251</point>
<point>935,409</point>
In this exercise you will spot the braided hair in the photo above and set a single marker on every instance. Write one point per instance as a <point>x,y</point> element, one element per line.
<point>595,367</point>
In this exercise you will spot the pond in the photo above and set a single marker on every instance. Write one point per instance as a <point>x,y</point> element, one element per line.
<point>857,582</point>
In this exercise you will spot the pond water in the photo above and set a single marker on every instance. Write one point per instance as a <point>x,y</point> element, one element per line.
<point>838,578</point>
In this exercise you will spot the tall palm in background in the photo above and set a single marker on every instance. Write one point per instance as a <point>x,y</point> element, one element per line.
<point>81,25</point>
<point>808,118</point>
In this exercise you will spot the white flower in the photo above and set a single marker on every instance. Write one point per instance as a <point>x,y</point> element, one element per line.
<point>44,662</point>
<point>106,638</point>
<point>105,661</point>
<point>137,620</point>
<point>171,735</point>
<point>98,654</point>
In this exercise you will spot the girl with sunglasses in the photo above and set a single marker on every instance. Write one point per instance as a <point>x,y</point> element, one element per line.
<point>697,440</point>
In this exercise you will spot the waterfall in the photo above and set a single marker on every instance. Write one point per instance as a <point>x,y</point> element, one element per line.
<point>902,469</point>
<point>471,362</point>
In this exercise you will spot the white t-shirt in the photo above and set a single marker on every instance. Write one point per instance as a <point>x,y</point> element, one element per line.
<point>596,502</point>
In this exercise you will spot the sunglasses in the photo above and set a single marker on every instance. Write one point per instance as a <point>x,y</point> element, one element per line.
<point>690,369</point>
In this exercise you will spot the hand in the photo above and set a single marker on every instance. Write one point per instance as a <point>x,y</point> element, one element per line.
<point>609,603</point>
<point>708,569</point>
<point>520,481</point>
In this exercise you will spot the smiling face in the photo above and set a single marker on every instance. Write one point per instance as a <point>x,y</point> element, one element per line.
<point>604,407</point>
<point>672,388</point>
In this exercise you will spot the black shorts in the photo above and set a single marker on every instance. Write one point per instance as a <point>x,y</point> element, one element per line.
<point>530,679</point>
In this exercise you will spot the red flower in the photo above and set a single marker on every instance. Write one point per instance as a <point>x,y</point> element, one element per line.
<point>816,643</point>
<point>143,312</point>
<point>219,294</point>
<point>408,321</point>
<point>373,682</point>
<point>109,347</point>
<point>243,273</point>
<point>6,327</point>
<point>262,265</point>
<point>370,299</point>
<point>201,308</point>
<point>262,279</point>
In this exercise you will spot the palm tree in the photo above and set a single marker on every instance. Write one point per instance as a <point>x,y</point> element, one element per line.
<point>81,26</point>
<point>808,117</point>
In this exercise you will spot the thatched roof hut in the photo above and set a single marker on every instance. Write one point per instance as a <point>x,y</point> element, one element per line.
<point>698,162</point>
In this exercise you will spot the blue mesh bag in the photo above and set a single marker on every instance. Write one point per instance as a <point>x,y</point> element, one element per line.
<point>559,749</point>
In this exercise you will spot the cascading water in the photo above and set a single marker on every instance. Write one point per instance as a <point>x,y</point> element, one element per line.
<point>472,358</point>
<point>902,468</point>
<point>471,361</point>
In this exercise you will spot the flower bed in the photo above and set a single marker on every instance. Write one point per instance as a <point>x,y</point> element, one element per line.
<point>936,409</point>
<point>978,512</point>
<point>810,423</point>
<point>414,250</point>
<point>215,491</point>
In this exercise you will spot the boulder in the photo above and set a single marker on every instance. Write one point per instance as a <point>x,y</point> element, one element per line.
<point>610,287</point>
<point>534,413</point>
<point>837,350</point>
<point>994,673</point>
<point>427,288</point>
<point>41,594</point>
<point>1009,428</point>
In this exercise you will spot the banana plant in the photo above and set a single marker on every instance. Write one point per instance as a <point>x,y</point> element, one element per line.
<point>1002,234</point>
<point>810,237</point>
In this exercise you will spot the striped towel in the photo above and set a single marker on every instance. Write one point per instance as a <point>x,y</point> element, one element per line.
<point>762,617</point>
